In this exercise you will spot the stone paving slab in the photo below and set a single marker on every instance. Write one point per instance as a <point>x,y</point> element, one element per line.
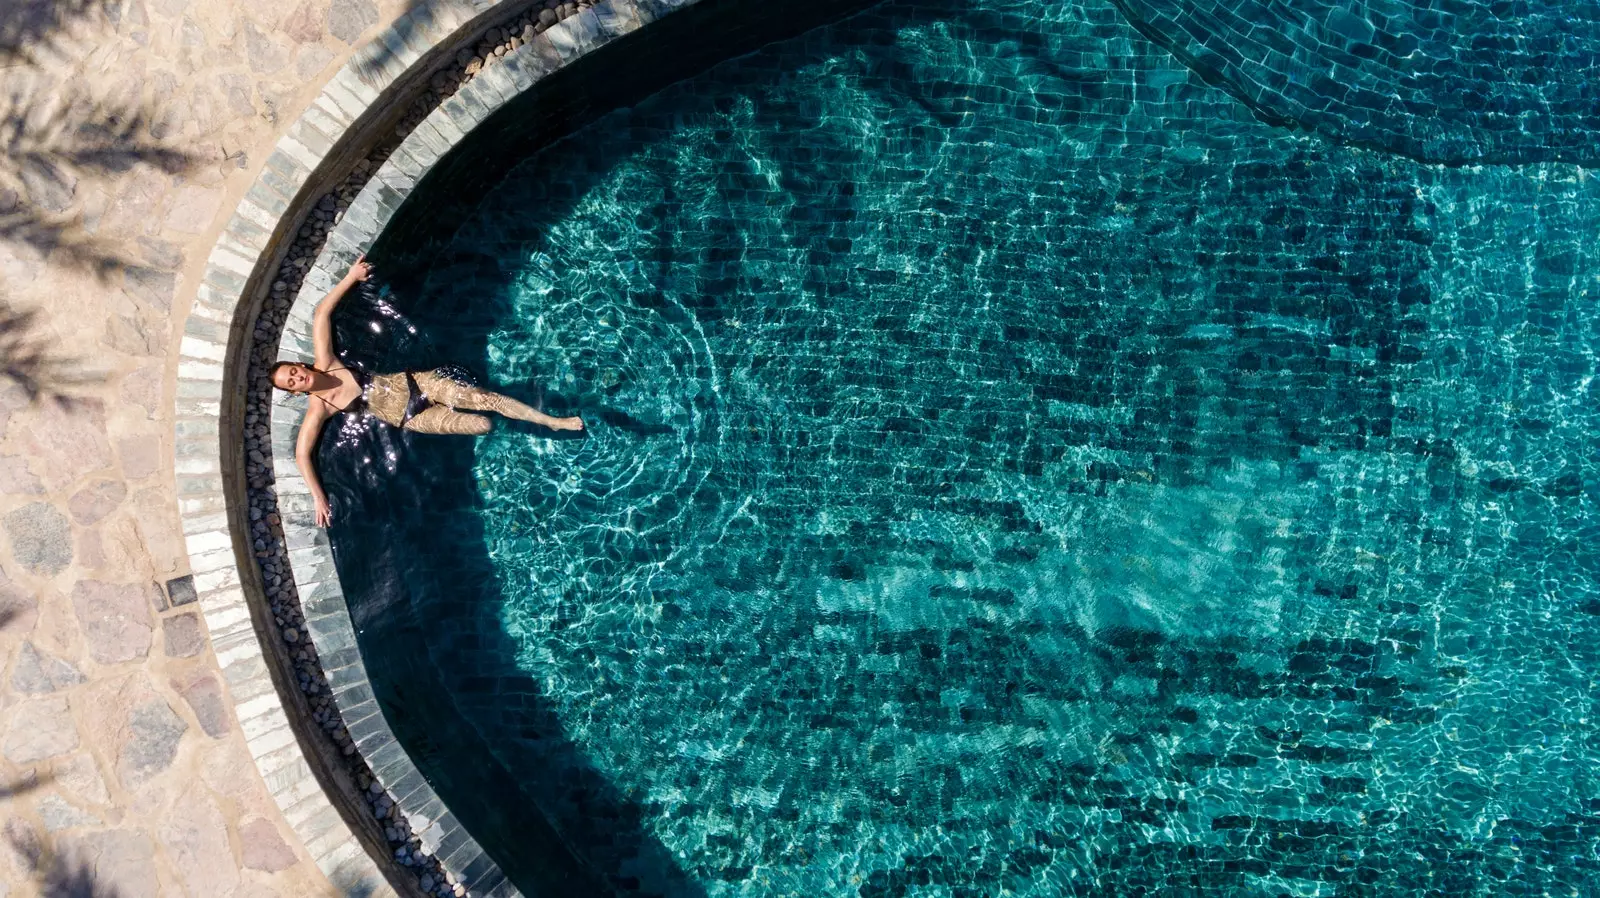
<point>355,226</point>
<point>317,149</point>
<point>122,756</point>
<point>142,740</point>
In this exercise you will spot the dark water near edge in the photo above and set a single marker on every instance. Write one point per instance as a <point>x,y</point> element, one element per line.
<point>1016,469</point>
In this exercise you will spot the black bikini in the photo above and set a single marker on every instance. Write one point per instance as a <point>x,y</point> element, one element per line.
<point>415,400</point>
<point>358,404</point>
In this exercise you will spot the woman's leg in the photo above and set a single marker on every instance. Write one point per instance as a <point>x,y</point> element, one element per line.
<point>447,391</point>
<point>438,419</point>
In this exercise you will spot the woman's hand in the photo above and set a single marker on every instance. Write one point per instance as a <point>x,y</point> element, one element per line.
<point>324,513</point>
<point>360,269</point>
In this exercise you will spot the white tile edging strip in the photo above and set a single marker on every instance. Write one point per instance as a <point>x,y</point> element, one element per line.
<point>202,381</point>
<point>327,614</point>
<point>199,428</point>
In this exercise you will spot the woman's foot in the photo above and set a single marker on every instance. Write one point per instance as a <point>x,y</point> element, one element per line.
<point>572,423</point>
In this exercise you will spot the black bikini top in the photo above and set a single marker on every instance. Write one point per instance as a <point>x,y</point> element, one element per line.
<point>359,404</point>
<point>415,400</point>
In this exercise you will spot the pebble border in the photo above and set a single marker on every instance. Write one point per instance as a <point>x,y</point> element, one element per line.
<point>265,521</point>
<point>235,562</point>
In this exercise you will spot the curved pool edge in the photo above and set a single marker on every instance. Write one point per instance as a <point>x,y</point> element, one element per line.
<point>326,809</point>
<point>328,620</point>
<point>356,121</point>
<point>308,552</point>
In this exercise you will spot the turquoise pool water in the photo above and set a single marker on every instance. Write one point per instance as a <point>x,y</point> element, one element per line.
<point>1015,468</point>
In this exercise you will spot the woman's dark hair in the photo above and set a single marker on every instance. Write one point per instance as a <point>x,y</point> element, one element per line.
<point>272,373</point>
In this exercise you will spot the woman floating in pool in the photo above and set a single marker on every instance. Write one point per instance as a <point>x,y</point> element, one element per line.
<point>421,401</point>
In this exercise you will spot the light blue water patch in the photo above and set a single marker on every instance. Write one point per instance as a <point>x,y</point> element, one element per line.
<point>1014,469</point>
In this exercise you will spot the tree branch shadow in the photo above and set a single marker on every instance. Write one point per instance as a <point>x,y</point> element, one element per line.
<point>29,22</point>
<point>55,874</point>
<point>53,137</point>
<point>62,874</point>
<point>28,782</point>
<point>50,143</point>
<point>87,134</point>
<point>28,361</point>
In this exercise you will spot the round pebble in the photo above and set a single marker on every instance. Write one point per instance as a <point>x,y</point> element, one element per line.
<point>305,247</point>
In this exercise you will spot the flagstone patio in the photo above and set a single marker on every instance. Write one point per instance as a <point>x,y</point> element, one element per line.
<point>132,128</point>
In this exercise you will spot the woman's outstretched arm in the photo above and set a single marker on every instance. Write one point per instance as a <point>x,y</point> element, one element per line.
<point>322,321</point>
<point>305,449</point>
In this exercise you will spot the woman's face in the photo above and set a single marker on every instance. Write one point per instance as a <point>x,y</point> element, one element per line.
<point>293,378</point>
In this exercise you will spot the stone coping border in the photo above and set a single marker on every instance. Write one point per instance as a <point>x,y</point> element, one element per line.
<point>208,426</point>
<point>322,599</point>
<point>208,430</point>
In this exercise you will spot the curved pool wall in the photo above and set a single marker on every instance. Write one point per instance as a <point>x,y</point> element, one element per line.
<point>308,774</point>
<point>1242,384</point>
<point>444,775</point>
<point>207,387</point>
<point>229,509</point>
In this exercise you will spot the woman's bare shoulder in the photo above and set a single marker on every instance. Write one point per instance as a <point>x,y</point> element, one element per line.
<point>316,410</point>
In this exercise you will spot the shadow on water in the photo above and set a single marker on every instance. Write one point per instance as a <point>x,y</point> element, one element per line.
<point>533,800</point>
<point>385,568</point>
<point>1464,83</point>
<point>1332,334</point>
<point>1309,363</point>
<point>625,422</point>
<point>544,791</point>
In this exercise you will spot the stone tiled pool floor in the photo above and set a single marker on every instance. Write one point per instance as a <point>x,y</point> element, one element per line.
<point>1016,469</point>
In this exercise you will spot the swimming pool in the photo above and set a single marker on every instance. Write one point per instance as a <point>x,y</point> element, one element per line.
<point>1017,468</point>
